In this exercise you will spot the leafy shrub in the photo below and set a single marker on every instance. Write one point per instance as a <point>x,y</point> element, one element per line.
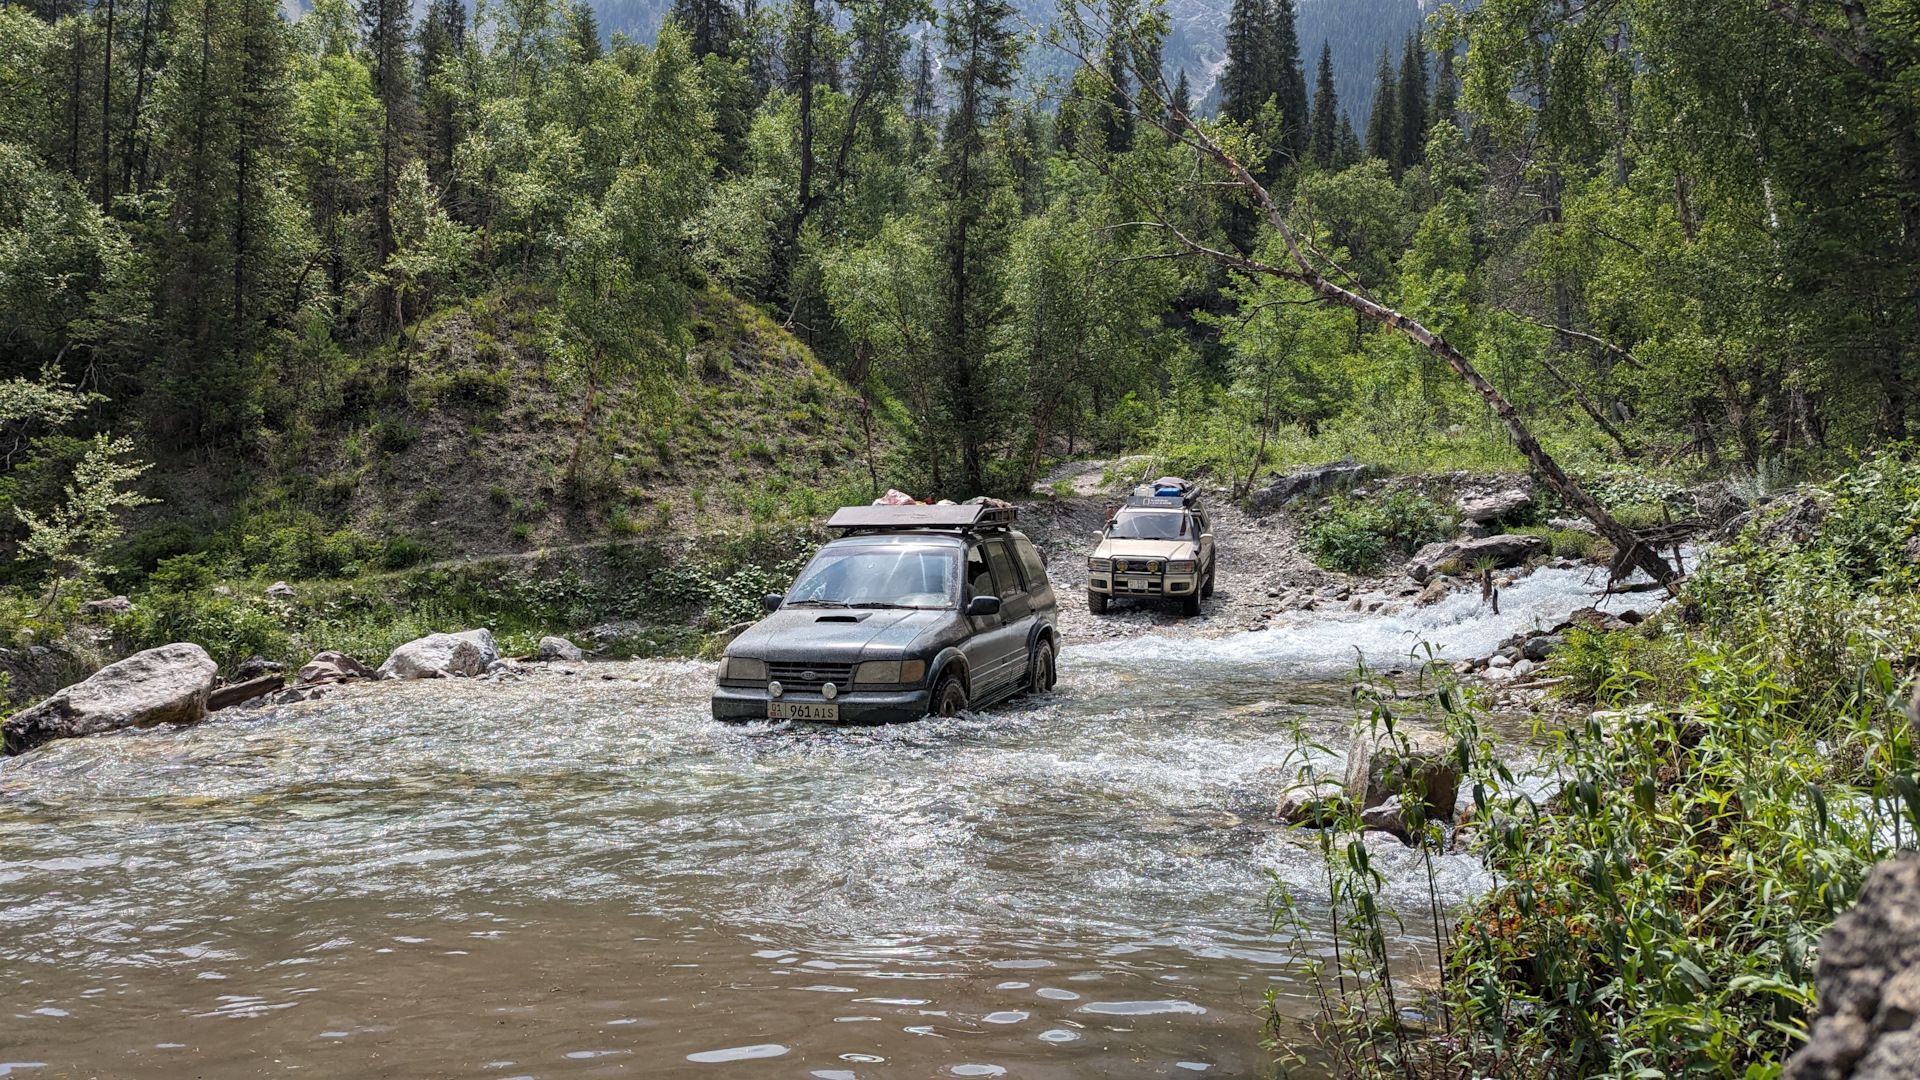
<point>1355,536</point>
<point>393,436</point>
<point>404,551</point>
<point>1571,543</point>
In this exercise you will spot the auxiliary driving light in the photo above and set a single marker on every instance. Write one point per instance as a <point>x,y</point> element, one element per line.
<point>829,691</point>
<point>774,689</point>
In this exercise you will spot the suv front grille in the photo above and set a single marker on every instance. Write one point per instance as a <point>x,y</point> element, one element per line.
<point>810,676</point>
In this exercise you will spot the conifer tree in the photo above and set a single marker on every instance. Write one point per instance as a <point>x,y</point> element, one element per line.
<point>1115,104</point>
<point>443,38</point>
<point>1413,103</point>
<point>1383,127</point>
<point>1246,82</point>
<point>387,28</point>
<point>1445,90</point>
<point>583,33</point>
<point>711,26</point>
<point>1290,90</point>
<point>1182,102</point>
<point>1326,113</point>
<point>983,54</point>
<point>1346,147</point>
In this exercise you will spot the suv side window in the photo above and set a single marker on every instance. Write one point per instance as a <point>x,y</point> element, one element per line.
<point>978,578</point>
<point>1030,563</point>
<point>1003,570</point>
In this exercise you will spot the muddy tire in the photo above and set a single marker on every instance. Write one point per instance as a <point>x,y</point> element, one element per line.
<point>1190,606</point>
<point>1206,587</point>
<point>950,697</point>
<point>1096,602</point>
<point>1040,670</point>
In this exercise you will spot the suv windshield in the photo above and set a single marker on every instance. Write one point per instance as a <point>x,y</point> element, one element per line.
<point>1138,526</point>
<point>891,576</point>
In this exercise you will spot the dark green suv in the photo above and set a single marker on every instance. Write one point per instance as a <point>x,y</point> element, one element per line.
<point>915,610</point>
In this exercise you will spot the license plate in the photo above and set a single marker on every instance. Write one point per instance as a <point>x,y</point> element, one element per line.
<point>1137,584</point>
<point>801,710</point>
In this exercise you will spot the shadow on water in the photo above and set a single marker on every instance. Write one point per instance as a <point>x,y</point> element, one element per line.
<point>575,876</point>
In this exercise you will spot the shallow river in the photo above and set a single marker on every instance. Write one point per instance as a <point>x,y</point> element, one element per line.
<point>585,876</point>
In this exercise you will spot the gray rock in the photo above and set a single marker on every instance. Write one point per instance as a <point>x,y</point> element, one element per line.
<point>331,666</point>
<point>1562,524</point>
<point>112,605</point>
<point>440,656</point>
<point>1378,769</point>
<point>1869,985</point>
<point>1473,530</point>
<point>1542,646</point>
<point>1436,591</point>
<point>279,590</point>
<point>1507,549</point>
<point>1388,817</point>
<point>1312,481</point>
<point>240,693</point>
<point>293,694</point>
<point>1485,508</point>
<point>556,648</point>
<point>167,685</point>
<point>1312,805</point>
<point>255,666</point>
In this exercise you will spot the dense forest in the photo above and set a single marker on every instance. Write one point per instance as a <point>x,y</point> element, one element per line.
<point>1684,236</point>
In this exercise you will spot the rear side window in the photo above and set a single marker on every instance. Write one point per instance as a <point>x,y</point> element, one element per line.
<point>1035,569</point>
<point>1003,570</point>
<point>978,578</point>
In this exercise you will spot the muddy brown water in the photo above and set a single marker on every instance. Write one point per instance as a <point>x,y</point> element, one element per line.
<point>582,876</point>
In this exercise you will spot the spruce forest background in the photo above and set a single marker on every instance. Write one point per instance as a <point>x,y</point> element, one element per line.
<point>370,289</point>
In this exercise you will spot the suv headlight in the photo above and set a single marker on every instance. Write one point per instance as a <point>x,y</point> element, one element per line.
<point>1101,565</point>
<point>1185,567</point>
<point>743,669</point>
<point>890,671</point>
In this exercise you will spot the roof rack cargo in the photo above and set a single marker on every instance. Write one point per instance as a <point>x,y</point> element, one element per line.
<point>1169,492</point>
<point>951,516</point>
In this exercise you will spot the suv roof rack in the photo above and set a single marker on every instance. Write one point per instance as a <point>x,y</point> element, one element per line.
<point>962,516</point>
<point>1168,492</point>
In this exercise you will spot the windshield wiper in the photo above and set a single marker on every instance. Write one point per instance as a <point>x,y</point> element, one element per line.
<point>884,604</point>
<point>818,603</point>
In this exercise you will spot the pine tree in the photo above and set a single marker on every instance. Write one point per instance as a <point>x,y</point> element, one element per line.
<point>985,56</point>
<point>583,33</point>
<point>1346,145</point>
<point>1444,89</point>
<point>1182,105</point>
<point>1290,89</point>
<point>386,31</point>
<point>1413,103</point>
<point>711,26</point>
<point>1326,113</point>
<point>443,39</point>
<point>1383,127</point>
<point>1246,82</point>
<point>1115,111</point>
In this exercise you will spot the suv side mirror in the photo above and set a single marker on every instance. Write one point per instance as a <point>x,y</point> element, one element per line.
<point>772,602</point>
<point>1206,538</point>
<point>983,605</point>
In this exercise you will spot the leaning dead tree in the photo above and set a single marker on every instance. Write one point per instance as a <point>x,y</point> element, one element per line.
<point>1153,102</point>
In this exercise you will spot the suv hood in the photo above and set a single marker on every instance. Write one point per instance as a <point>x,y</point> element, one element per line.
<point>819,633</point>
<point>1146,549</point>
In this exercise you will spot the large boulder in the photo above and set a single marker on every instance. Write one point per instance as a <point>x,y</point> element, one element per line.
<point>552,647</point>
<point>1493,506</point>
<point>1335,474</point>
<point>1315,805</point>
<point>331,666</point>
<point>1869,985</point>
<point>440,656</point>
<point>112,605</point>
<point>167,685</point>
<point>1378,768</point>
<point>1504,550</point>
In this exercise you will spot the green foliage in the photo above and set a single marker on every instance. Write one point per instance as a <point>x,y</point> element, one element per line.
<point>1355,535</point>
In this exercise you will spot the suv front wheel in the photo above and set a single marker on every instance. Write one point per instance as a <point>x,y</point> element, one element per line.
<point>950,697</point>
<point>1096,602</point>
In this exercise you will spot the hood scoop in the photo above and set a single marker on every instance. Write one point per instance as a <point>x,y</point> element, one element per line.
<point>860,617</point>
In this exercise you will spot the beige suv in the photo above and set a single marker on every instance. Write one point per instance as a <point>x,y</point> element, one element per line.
<point>1159,546</point>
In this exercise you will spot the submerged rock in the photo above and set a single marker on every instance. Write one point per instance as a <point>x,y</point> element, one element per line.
<point>167,685</point>
<point>331,666</point>
<point>553,647</point>
<point>1378,769</point>
<point>1504,550</point>
<point>1388,817</point>
<point>1312,805</point>
<point>440,656</point>
<point>1869,985</point>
